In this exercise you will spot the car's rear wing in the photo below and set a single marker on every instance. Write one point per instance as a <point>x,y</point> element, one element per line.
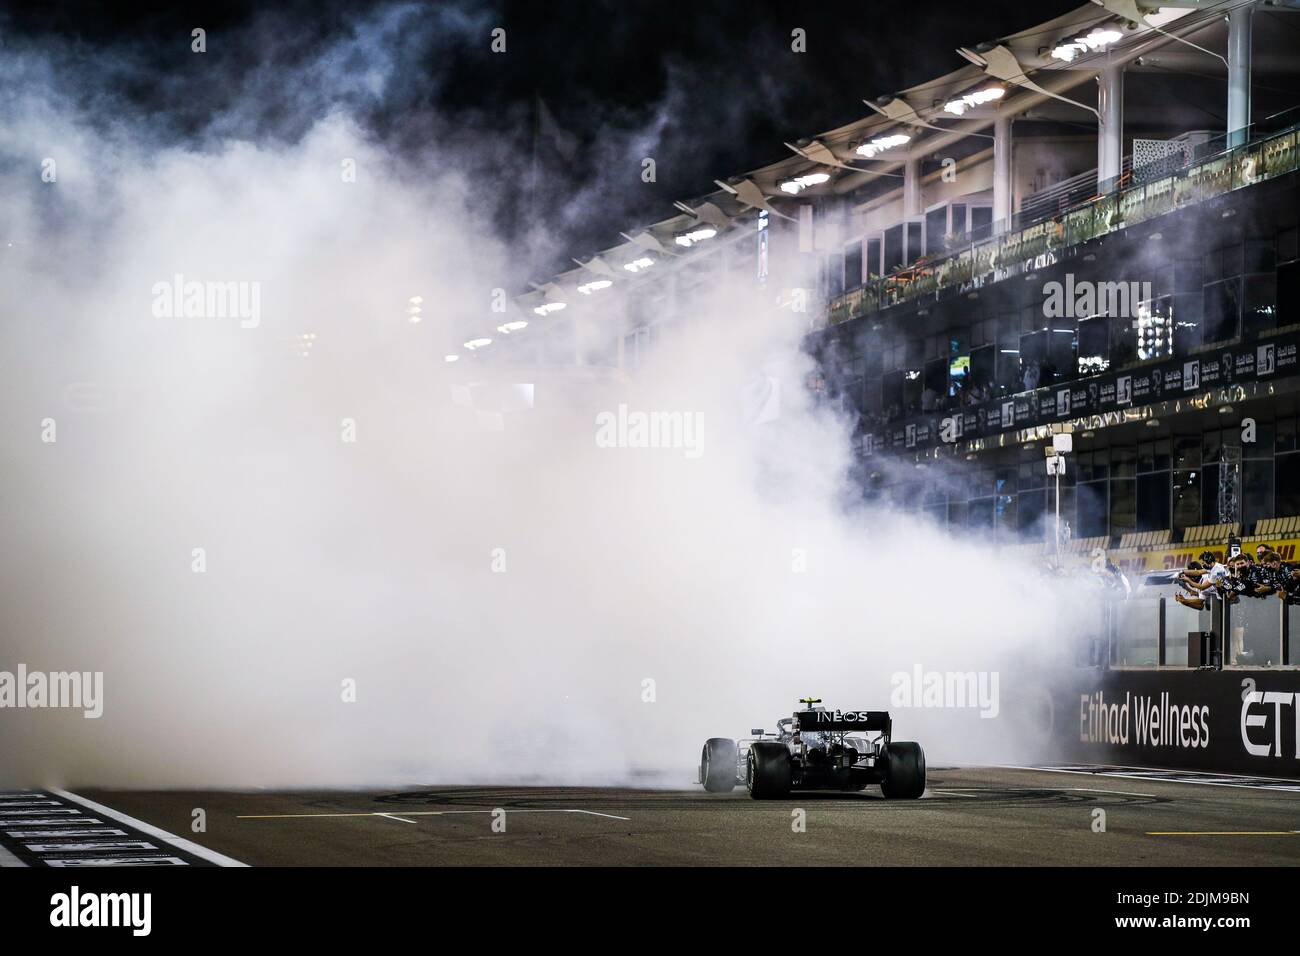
<point>844,721</point>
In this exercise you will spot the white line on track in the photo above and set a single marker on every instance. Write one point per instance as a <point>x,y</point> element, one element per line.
<point>212,856</point>
<point>8,859</point>
<point>971,792</point>
<point>389,816</point>
<point>1125,793</point>
<point>419,813</point>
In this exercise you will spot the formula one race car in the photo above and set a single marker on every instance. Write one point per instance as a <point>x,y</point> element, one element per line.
<point>816,749</point>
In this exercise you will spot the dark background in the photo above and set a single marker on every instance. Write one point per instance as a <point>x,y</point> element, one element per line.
<point>707,88</point>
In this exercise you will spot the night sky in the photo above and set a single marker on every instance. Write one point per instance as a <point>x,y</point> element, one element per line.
<point>707,88</point>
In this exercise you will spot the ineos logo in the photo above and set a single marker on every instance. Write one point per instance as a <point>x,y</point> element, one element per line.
<point>824,716</point>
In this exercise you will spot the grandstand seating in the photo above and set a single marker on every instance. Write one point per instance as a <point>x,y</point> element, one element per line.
<point>1209,534</point>
<point>1086,545</point>
<point>1266,529</point>
<point>1027,550</point>
<point>1145,539</point>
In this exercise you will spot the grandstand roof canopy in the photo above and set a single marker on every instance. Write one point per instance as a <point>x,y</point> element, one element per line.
<point>1176,48</point>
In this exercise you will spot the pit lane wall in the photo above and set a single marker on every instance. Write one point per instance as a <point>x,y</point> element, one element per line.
<point>1233,720</point>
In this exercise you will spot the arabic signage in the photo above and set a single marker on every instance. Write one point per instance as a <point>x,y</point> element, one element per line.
<point>1112,392</point>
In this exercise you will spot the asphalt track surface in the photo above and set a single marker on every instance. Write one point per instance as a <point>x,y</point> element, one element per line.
<point>968,816</point>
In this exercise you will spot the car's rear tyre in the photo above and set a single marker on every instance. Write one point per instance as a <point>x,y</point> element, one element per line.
<point>904,771</point>
<point>718,765</point>
<point>767,771</point>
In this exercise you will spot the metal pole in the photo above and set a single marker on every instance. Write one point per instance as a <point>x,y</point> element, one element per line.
<point>1160,646</point>
<point>1058,517</point>
<point>1002,174</point>
<point>911,193</point>
<point>1239,37</point>
<point>1110,127</point>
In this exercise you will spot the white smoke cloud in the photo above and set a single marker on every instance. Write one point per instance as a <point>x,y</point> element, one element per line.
<point>377,561</point>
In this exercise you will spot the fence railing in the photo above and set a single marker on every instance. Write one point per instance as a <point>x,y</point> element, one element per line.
<point>1155,631</point>
<point>1215,169</point>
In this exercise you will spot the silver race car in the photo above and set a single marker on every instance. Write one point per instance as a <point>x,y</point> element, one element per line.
<point>816,749</point>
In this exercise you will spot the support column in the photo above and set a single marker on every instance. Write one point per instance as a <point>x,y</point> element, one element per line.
<point>1110,127</point>
<point>912,187</point>
<point>1239,36</point>
<point>1001,173</point>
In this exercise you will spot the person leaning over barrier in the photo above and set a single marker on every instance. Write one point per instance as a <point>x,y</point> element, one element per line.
<point>1238,581</point>
<point>1201,576</point>
<point>1290,591</point>
<point>1282,580</point>
<point>1262,575</point>
<point>1254,576</point>
<point>1205,568</point>
<point>1193,571</point>
<point>1268,574</point>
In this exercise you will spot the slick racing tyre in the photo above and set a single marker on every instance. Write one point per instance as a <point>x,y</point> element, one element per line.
<point>904,772</point>
<point>767,772</point>
<point>718,765</point>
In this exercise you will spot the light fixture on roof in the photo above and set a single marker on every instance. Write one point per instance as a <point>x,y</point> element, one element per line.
<point>473,344</point>
<point>595,285</point>
<point>999,62</point>
<point>800,183</point>
<point>413,309</point>
<point>597,265</point>
<point>882,143</point>
<point>639,264</point>
<point>689,239</point>
<point>451,358</point>
<point>645,240</point>
<point>1098,39</point>
<point>514,326</point>
<point>977,98</point>
<point>546,308</point>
